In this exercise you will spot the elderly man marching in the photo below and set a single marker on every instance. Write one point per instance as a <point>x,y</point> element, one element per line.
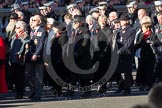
<point>34,58</point>
<point>125,40</point>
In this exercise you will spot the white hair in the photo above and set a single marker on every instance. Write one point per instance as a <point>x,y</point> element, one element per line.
<point>145,19</point>
<point>22,24</point>
<point>89,17</point>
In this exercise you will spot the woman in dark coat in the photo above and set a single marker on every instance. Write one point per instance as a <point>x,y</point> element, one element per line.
<point>58,41</point>
<point>103,55</point>
<point>80,40</point>
<point>146,66</point>
<point>16,57</point>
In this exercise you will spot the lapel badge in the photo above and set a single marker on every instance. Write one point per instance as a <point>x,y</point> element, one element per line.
<point>39,34</point>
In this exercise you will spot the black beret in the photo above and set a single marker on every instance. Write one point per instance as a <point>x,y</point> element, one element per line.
<point>94,10</point>
<point>116,21</point>
<point>59,25</point>
<point>14,16</point>
<point>124,17</point>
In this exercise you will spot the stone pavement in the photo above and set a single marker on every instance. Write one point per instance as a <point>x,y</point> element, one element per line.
<point>104,102</point>
<point>96,100</point>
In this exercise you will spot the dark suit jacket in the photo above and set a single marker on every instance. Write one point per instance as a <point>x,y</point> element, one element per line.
<point>126,40</point>
<point>36,46</point>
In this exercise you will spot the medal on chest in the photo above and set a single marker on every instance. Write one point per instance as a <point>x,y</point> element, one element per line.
<point>36,41</point>
<point>123,31</point>
<point>35,33</point>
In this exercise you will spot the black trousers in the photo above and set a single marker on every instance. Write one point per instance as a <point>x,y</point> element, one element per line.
<point>17,71</point>
<point>125,66</point>
<point>34,74</point>
<point>145,71</point>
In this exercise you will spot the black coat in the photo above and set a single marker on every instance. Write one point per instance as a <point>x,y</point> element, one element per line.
<point>17,48</point>
<point>56,48</point>
<point>103,51</point>
<point>147,59</point>
<point>81,53</point>
<point>56,55</point>
<point>82,49</point>
<point>125,41</point>
<point>146,50</point>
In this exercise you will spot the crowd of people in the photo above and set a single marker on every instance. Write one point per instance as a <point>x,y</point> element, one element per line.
<point>137,32</point>
<point>57,3</point>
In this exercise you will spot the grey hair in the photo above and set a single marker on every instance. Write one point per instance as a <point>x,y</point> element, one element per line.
<point>90,17</point>
<point>22,24</point>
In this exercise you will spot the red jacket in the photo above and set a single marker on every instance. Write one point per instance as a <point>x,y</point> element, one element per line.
<point>3,85</point>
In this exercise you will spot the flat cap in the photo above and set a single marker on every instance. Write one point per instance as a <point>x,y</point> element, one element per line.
<point>102,3</point>
<point>94,10</point>
<point>24,3</point>
<point>124,17</point>
<point>59,25</point>
<point>15,6</point>
<point>131,4</point>
<point>71,6</point>
<point>14,16</point>
<point>55,1</point>
<point>78,1</point>
<point>48,4</point>
<point>101,7</point>
<point>42,8</point>
<point>116,21</point>
<point>78,18</point>
<point>157,3</point>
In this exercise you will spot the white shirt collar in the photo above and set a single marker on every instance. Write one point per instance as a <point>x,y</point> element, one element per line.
<point>36,28</point>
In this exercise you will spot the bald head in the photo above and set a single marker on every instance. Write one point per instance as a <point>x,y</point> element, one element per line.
<point>36,21</point>
<point>113,15</point>
<point>141,13</point>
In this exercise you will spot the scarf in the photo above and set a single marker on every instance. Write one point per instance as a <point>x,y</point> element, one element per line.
<point>20,33</point>
<point>58,35</point>
<point>146,34</point>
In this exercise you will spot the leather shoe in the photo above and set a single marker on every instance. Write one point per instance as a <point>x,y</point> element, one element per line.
<point>87,94</point>
<point>19,97</point>
<point>35,98</point>
<point>127,92</point>
<point>70,93</point>
<point>101,89</point>
<point>147,88</point>
<point>31,96</point>
<point>118,91</point>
